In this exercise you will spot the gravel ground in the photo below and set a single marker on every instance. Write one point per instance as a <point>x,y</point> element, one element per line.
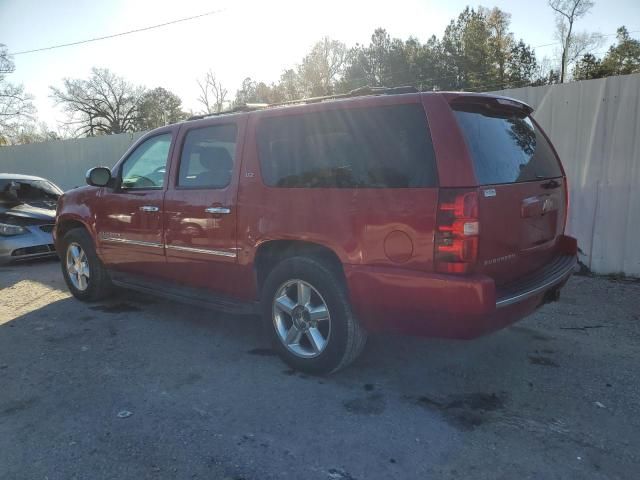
<point>139,388</point>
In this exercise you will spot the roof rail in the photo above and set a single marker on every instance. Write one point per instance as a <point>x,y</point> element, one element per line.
<point>358,92</point>
<point>247,107</point>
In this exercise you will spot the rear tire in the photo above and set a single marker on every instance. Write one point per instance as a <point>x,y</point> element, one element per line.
<point>83,271</point>
<point>306,311</point>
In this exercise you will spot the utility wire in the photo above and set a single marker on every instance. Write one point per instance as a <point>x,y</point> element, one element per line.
<point>597,36</point>
<point>137,30</point>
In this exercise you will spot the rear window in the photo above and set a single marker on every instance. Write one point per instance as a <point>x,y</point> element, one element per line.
<point>380,147</point>
<point>506,147</point>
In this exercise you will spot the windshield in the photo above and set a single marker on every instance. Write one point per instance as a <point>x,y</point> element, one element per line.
<point>506,147</point>
<point>38,193</point>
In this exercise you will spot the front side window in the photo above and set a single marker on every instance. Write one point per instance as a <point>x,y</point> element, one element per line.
<point>207,157</point>
<point>374,147</point>
<point>146,167</point>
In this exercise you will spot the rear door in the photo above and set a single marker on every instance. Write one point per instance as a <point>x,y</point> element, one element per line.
<point>200,206</point>
<point>522,194</point>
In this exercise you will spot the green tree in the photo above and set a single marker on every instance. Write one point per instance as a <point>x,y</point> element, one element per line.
<point>501,43</point>
<point>588,67</point>
<point>257,92</point>
<point>246,93</point>
<point>382,63</point>
<point>521,65</point>
<point>289,87</point>
<point>467,58</point>
<point>159,107</point>
<point>322,67</point>
<point>624,57</point>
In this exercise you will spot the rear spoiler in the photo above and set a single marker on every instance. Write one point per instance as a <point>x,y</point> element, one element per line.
<point>491,101</point>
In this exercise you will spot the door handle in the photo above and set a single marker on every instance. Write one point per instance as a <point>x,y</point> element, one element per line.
<point>149,208</point>
<point>218,210</point>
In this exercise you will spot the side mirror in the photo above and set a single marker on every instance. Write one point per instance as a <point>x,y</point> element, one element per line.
<point>98,177</point>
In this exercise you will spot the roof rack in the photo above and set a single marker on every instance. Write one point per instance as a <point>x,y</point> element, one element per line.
<point>247,107</point>
<point>358,92</point>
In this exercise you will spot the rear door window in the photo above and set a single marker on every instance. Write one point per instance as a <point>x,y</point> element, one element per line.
<point>374,147</point>
<point>207,157</point>
<point>506,147</point>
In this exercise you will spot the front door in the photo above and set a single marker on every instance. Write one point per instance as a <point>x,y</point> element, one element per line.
<point>129,218</point>
<point>200,206</point>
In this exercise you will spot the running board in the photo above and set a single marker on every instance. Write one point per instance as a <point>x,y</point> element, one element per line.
<point>193,296</point>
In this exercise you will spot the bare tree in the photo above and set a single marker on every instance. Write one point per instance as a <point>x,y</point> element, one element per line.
<point>16,107</point>
<point>573,44</point>
<point>212,94</point>
<point>103,104</point>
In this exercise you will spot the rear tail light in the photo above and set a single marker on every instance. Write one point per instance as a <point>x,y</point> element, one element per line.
<point>456,242</point>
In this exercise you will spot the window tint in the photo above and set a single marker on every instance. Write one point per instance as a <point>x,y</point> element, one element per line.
<point>147,165</point>
<point>207,157</point>
<point>380,147</point>
<point>506,148</point>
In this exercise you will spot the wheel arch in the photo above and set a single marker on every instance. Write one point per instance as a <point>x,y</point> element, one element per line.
<point>270,253</point>
<point>66,224</point>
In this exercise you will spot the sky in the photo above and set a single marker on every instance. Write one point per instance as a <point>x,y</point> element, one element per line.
<point>249,38</point>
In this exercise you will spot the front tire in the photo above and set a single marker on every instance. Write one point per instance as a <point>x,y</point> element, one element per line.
<point>83,271</point>
<point>306,310</point>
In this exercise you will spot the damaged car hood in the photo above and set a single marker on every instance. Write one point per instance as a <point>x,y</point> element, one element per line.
<point>27,212</point>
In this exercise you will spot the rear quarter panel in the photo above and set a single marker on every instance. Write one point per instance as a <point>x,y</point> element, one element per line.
<point>362,226</point>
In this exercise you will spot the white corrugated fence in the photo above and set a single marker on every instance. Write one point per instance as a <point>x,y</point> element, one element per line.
<point>594,125</point>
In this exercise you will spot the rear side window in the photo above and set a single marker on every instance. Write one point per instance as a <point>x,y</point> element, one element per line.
<point>379,147</point>
<point>506,147</point>
<point>207,157</point>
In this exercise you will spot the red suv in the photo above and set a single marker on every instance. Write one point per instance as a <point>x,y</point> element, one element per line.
<point>436,214</point>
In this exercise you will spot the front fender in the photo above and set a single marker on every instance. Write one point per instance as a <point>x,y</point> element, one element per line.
<point>75,210</point>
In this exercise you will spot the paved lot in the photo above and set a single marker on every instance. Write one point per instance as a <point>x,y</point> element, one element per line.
<point>557,396</point>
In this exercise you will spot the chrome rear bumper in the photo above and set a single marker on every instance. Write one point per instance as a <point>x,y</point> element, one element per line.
<point>555,273</point>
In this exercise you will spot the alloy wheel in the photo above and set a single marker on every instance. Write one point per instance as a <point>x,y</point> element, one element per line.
<point>301,318</point>
<point>77,266</point>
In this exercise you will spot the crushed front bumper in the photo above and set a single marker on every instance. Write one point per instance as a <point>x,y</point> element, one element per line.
<point>36,243</point>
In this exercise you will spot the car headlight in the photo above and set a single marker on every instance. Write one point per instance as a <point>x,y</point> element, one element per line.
<point>8,230</point>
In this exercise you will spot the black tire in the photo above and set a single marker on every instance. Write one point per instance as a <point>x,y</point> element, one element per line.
<point>347,337</point>
<point>98,285</point>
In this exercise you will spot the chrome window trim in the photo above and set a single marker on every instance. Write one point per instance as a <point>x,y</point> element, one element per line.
<point>207,251</point>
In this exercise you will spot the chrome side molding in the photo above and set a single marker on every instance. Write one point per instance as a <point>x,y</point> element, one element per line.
<point>131,242</point>
<point>207,251</point>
